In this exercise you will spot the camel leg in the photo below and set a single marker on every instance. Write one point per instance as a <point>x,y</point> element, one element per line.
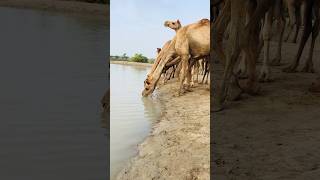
<point>308,67</point>
<point>292,18</point>
<point>281,26</point>
<point>183,72</point>
<point>265,70</point>
<point>298,24</point>
<point>178,70</point>
<point>306,33</point>
<point>219,28</point>
<point>242,67</point>
<point>233,51</point>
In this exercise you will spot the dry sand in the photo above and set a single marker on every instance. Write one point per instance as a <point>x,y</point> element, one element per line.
<point>92,9</point>
<point>178,146</point>
<point>272,136</point>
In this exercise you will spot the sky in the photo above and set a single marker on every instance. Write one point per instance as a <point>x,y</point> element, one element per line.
<point>136,26</point>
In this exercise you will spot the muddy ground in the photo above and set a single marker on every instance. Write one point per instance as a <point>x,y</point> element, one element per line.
<point>274,135</point>
<point>178,146</point>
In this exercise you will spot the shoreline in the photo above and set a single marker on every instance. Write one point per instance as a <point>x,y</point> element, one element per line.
<point>178,146</point>
<point>73,7</point>
<point>131,63</point>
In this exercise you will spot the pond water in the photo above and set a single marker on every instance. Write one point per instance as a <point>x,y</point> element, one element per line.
<point>131,115</point>
<point>53,70</point>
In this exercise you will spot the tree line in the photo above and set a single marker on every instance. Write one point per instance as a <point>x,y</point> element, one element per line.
<point>138,57</point>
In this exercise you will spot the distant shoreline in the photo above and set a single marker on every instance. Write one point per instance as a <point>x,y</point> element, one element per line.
<point>92,9</point>
<point>131,63</point>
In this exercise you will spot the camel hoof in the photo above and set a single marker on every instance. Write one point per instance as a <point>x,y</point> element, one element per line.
<point>217,107</point>
<point>235,93</point>
<point>255,89</point>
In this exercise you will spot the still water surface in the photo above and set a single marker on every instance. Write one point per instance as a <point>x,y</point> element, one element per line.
<point>53,73</point>
<point>131,115</point>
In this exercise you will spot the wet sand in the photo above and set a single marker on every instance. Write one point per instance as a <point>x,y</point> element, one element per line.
<point>274,135</point>
<point>131,63</point>
<point>92,9</point>
<point>178,146</point>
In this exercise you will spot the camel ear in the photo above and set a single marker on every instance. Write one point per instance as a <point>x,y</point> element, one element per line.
<point>178,22</point>
<point>158,50</point>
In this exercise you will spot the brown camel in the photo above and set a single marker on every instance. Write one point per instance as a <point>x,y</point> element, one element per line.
<point>191,41</point>
<point>311,8</point>
<point>243,37</point>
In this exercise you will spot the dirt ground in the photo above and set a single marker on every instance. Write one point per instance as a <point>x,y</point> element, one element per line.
<point>92,9</point>
<point>274,135</point>
<point>178,146</point>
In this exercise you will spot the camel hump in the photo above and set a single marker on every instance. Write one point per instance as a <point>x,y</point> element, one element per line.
<point>204,21</point>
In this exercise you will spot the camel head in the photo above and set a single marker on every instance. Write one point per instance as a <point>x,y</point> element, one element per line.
<point>148,87</point>
<point>158,50</point>
<point>175,25</point>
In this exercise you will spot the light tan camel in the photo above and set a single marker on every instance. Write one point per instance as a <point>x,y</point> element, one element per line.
<point>244,36</point>
<point>176,25</point>
<point>191,41</point>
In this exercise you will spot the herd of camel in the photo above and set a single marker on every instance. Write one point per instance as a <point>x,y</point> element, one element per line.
<point>240,30</point>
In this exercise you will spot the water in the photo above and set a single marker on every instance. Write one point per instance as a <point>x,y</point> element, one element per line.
<point>53,73</point>
<point>131,115</point>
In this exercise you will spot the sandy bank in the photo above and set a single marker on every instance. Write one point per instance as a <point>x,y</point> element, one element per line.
<point>178,146</point>
<point>99,10</point>
<point>274,135</point>
<point>131,63</point>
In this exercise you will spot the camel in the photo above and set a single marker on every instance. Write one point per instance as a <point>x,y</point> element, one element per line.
<point>243,37</point>
<point>311,8</point>
<point>176,25</point>
<point>191,41</point>
<point>170,65</point>
<point>275,13</point>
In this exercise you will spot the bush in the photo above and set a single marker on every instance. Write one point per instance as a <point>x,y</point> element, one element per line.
<point>139,58</point>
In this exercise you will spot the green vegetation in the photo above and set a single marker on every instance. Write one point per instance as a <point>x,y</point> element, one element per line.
<point>138,57</point>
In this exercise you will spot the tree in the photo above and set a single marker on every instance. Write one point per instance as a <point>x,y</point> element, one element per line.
<point>139,58</point>
<point>124,56</point>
